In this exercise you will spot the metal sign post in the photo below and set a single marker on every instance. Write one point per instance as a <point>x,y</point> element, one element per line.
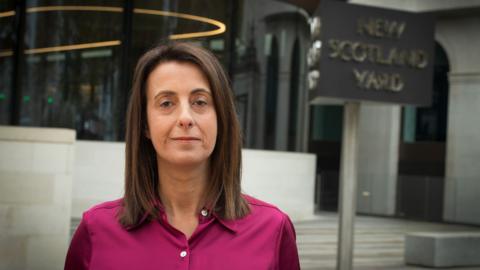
<point>366,54</point>
<point>348,186</point>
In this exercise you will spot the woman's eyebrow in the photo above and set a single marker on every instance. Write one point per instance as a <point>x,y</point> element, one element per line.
<point>200,91</point>
<point>164,93</point>
<point>173,93</point>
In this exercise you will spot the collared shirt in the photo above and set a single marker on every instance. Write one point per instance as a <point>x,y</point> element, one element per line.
<point>264,239</point>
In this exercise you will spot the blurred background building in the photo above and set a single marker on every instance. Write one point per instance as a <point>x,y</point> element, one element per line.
<point>69,63</point>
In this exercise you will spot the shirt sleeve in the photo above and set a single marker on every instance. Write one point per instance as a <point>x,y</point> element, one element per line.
<point>80,251</point>
<point>287,247</point>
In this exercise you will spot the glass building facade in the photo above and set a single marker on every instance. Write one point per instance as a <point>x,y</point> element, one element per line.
<point>69,63</point>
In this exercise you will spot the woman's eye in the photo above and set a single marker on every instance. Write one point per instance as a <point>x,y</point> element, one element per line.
<point>166,104</point>
<point>200,102</point>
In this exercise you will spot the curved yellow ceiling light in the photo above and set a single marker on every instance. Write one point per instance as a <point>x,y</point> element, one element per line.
<point>74,8</point>
<point>7,13</point>
<point>73,47</point>
<point>221,28</point>
<point>6,53</point>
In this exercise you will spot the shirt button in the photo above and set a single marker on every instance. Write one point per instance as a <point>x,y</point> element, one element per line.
<point>204,213</point>
<point>183,254</point>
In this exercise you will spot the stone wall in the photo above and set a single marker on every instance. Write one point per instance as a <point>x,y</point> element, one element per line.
<point>98,175</point>
<point>35,197</point>
<point>284,179</point>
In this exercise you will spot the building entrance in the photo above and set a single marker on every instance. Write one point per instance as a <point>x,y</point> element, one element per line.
<point>421,167</point>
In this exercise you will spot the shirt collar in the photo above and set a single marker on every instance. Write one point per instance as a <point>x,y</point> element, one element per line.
<point>157,206</point>
<point>231,225</point>
<point>142,220</point>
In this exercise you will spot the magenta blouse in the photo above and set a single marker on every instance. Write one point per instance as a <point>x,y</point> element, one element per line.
<point>264,239</point>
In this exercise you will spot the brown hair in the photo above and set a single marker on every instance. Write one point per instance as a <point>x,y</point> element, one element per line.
<point>141,175</point>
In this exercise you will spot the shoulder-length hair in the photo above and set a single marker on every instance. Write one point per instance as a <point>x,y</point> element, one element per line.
<point>223,191</point>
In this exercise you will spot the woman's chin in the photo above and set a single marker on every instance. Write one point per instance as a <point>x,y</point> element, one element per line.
<point>186,161</point>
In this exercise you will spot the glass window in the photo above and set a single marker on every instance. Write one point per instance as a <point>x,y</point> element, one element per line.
<point>202,21</point>
<point>326,123</point>
<point>430,123</point>
<point>7,19</point>
<point>70,67</point>
<point>78,56</point>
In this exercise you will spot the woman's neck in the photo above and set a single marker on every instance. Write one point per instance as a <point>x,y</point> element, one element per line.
<point>182,189</point>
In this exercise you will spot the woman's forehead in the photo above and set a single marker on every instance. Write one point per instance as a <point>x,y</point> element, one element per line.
<point>171,68</point>
<point>173,76</point>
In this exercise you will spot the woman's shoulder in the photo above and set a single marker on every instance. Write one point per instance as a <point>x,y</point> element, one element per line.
<point>257,202</point>
<point>264,210</point>
<point>106,206</point>
<point>103,212</point>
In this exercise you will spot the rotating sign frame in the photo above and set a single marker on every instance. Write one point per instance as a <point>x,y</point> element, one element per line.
<point>374,54</point>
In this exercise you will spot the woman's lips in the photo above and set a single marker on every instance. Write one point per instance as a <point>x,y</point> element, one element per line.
<point>185,139</point>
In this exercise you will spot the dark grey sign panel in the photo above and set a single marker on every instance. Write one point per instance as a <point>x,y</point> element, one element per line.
<point>375,54</point>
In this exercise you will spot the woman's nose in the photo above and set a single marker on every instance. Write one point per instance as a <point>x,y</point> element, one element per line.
<point>185,119</point>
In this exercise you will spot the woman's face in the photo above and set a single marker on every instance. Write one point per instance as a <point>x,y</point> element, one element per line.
<point>182,122</point>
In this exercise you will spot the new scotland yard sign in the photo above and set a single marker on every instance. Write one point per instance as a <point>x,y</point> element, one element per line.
<point>375,54</point>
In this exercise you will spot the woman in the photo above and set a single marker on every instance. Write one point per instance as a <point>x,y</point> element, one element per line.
<point>182,207</point>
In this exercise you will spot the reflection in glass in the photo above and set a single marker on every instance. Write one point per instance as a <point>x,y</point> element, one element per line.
<point>151,27</point>
<point>7,17</point>
<point>71,69</point>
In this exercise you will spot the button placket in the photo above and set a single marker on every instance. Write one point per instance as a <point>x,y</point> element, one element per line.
<point>184,255</point>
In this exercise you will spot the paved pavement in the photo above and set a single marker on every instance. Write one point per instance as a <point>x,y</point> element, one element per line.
<point>379,242</point>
